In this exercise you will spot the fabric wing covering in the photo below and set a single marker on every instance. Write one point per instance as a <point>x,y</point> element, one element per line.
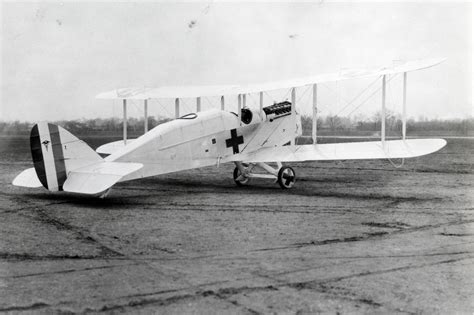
<point>343,151</point>
<point>218,90</point>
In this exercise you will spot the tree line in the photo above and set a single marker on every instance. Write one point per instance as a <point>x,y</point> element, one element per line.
<point>338,125</point>
<point>327,125</point>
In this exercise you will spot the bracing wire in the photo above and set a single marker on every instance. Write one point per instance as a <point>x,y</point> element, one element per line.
<point>320,104</point>
<point>309,87</point>
<point>185,102</point>
<point>251,98</point>
<point>135,105</point>
<point>369,97</point>
<point>271,97</point>
<point>165,109</point>
<point>208,101</point>
<point>334,91</point>
<point>287,94</point>
<point>358,95</point>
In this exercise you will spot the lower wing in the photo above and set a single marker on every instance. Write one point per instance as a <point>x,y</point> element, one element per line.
<point>342,151</point>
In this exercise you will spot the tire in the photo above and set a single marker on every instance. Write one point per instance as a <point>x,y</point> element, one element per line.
<point>240,182</point>
<point>286,177</point>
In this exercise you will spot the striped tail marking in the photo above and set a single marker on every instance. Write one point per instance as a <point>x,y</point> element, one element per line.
<point>48,156</point>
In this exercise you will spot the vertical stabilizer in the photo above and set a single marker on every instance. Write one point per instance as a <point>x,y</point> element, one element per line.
<point>56,152</point>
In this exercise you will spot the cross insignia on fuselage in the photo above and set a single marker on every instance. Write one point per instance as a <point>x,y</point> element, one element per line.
<point>234,141</point>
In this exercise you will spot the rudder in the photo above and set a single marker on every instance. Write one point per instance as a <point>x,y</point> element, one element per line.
<point>56,152</point>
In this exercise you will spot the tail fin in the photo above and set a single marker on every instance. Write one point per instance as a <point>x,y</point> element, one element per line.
<point>63,162</point>
<point>56,152</point>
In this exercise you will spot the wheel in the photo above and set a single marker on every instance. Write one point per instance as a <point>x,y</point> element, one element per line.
<point>240,182</point>
<point>286,177</point>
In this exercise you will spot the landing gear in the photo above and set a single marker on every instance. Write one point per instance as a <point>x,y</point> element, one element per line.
<point>241,178</point>
<point>284,175</point>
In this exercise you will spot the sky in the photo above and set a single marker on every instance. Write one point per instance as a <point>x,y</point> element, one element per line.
<point>57,56</point>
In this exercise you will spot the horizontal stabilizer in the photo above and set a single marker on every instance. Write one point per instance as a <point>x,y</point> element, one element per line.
<point>97,178</point>
<point>27,178</point>
<point>343,151</point>
<point>112,147</point>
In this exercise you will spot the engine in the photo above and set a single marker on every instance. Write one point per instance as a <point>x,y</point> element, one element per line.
<point>250,116</point>
<point>277,110</point>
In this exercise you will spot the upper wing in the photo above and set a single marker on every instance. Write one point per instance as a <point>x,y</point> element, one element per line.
<point>342,151</point>
<point>218,90</point>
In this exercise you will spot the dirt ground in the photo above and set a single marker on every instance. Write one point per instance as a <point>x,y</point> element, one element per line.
<point>350,237</point>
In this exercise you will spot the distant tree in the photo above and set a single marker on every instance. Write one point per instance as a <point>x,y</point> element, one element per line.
<point>333,122</point>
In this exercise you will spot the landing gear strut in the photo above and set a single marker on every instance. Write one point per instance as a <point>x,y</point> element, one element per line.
<point>241,177</point>
<point>283,175</point>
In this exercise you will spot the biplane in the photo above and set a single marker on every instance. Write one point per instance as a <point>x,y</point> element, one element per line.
<point>253,138</point>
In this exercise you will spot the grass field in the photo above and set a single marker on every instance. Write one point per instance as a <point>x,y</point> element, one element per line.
<point>350,237</point>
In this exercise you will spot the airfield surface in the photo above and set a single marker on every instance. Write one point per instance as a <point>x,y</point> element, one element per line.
<point>350,237</point>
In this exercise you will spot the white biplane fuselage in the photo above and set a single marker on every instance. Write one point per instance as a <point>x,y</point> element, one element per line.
<point>204,139</point>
